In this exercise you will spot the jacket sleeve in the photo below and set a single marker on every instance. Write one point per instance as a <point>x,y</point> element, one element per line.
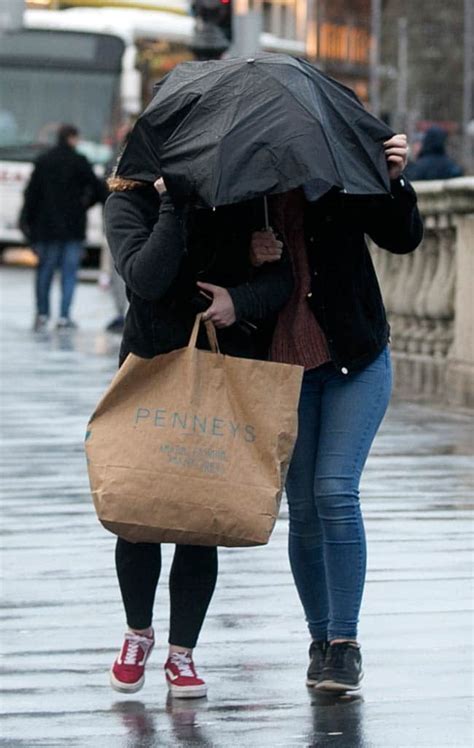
<point>393,222</point>
<point>29,209</point>
<point>95,189</point>
<point>147,262</point>
<point>266,293</point>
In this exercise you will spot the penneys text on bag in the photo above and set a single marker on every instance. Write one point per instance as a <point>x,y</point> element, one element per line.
<point>193,423</point>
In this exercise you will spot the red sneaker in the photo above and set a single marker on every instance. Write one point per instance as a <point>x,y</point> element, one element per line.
<point>183,681</point>
<point>128,671</point>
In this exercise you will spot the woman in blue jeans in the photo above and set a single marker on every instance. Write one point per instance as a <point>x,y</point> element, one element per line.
<point>335,326</point>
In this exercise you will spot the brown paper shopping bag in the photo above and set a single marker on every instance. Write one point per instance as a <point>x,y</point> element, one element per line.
<point>193,446</point>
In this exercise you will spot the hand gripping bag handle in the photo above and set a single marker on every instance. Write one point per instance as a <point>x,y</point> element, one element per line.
<point>211,334</point>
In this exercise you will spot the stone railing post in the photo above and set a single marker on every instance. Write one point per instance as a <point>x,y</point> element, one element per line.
<point>460,370</point>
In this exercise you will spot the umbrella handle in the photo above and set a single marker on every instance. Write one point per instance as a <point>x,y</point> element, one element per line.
<point>265,213</point>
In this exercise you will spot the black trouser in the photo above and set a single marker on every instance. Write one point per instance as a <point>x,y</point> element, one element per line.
<point>192,581</point>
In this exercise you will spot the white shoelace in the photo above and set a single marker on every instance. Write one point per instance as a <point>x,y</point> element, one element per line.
<point>132,653</point>
<point>183,662</point>
<point>135,644</point>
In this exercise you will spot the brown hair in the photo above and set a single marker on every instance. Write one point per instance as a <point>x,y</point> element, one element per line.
<point>122,184</point>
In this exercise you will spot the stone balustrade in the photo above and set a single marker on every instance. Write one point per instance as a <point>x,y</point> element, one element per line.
<point>429,298</point>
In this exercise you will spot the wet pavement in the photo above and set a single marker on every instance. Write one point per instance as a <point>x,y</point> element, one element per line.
<point>61,618</point>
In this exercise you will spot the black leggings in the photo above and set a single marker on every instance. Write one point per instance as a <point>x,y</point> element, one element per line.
<point>192,581</point>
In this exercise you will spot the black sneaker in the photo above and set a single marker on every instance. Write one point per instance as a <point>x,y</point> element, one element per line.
<point>317,656</point>
<point>342,669</point>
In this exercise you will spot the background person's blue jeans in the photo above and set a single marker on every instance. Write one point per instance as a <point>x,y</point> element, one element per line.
<point>54,255</point>
<point>339,416</point>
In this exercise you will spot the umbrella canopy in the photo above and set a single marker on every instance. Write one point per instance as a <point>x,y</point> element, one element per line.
<point>225,131</point>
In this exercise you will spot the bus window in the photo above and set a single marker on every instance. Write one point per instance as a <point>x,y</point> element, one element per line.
<point>39,100</point>
<point>49,77</point>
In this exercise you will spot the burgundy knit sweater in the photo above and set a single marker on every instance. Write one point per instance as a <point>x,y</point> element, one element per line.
<point>298,338</point>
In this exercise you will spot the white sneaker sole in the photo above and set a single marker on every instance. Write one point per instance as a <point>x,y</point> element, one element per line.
<point>332,685</point>
<point>187,692</point>
<point>117,685</point>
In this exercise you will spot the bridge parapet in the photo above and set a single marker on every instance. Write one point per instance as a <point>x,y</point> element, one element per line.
<point>429,296</point>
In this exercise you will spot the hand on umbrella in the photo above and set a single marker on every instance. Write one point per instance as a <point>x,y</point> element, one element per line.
<point>264,247</point>
<point>396,152</point>
<point>222,311</point>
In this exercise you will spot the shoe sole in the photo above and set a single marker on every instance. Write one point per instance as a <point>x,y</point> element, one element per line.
<point>333,685</point>
<point>117,685</point>
<point>187,692</point>
<point>310,682</point>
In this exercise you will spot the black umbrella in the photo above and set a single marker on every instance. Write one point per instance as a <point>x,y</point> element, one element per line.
<point>225,131</point>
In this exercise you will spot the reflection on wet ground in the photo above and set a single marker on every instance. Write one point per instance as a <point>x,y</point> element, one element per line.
<point>62,621</point>
<point>332,717</point>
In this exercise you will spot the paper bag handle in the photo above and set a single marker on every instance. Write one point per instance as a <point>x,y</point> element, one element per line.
<point>211,334</point>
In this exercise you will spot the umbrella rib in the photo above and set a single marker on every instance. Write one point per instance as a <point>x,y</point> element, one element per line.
<point>205,74</point>
<point>185,84</point>
<point>305,108</point>
<point>236,101</point>
<point>328,99</point>
<point>360,142</point>
<point>288,90</point>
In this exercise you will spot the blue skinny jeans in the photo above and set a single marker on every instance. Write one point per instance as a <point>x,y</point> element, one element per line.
<point>339,416</point>
<point>54,255</point>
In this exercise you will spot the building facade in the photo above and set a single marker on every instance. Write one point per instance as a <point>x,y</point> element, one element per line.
<point>335,35</point>
<point>426,51</point>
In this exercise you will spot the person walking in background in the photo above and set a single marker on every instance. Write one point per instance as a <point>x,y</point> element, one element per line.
<point>176,262</point>
<point>335,326</point>
<point>433,161</point>
<point>110,280</point>
<point>416,144</point>
<point>61,189</point>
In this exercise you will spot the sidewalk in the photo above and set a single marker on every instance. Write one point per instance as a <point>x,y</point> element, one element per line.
<point>61,616</point>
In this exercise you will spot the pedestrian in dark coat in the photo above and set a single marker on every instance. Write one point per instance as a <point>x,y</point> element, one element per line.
<point>176,262</point>
<point>336,327</point>
<point>433,161</point>
<point>61,189</point>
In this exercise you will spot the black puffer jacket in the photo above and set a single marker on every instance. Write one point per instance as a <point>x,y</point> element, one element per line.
<point>345,295</point>
<point>161,253</point>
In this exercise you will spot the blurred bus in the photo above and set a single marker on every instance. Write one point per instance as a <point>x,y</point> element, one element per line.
<point>92,67</point>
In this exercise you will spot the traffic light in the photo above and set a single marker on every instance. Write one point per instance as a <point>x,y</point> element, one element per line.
<point>213,28</point>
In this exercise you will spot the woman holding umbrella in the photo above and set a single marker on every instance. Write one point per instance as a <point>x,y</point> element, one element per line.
<point>177,262</point>
<point>335,326</point>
